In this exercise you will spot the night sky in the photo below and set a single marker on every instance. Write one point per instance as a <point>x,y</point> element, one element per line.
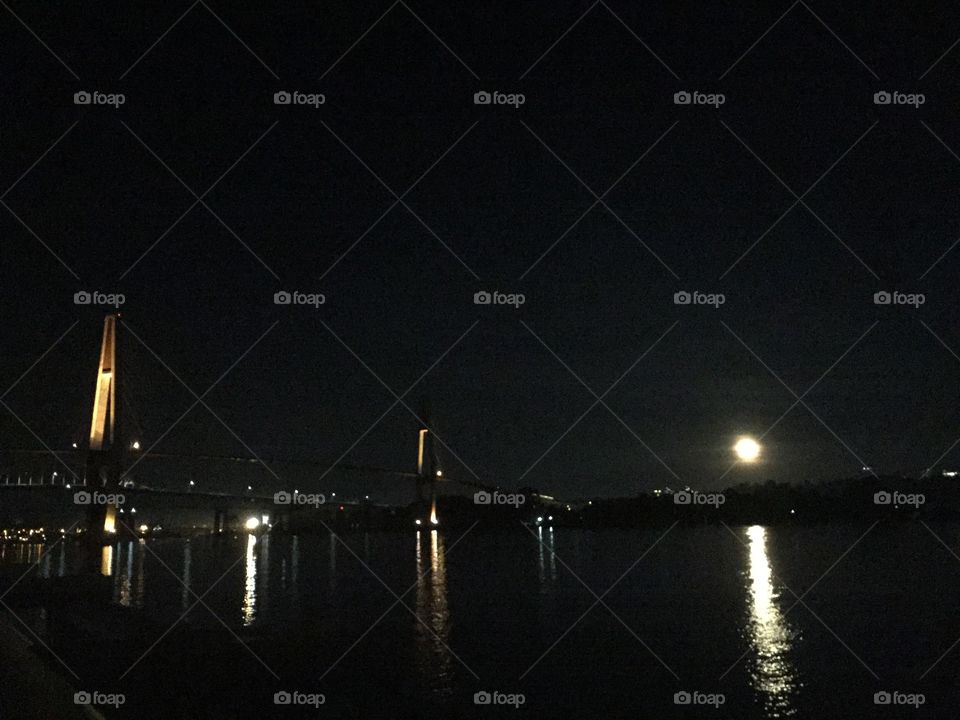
<point>503,199</point>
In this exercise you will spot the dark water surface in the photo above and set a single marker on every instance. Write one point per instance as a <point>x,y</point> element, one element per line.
<point>705,610</point>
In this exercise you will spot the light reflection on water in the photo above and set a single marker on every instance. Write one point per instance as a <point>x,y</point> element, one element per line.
<point>433,628</point>
<point>249,607</point>
<point>773,675</point>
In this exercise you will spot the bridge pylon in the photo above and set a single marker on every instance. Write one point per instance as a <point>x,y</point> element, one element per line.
<point>105,450</point>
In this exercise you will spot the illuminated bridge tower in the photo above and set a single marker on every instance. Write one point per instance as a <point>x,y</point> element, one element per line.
<point>105,449</point>
<point>427,466</point>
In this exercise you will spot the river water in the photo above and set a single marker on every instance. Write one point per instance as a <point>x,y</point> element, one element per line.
<point>551,622</point>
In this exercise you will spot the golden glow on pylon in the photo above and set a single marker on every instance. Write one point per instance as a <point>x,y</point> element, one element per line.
<point>110,520</point>
<point>433,513</point>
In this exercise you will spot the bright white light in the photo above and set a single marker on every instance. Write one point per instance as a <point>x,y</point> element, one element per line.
<point>747,449</point>
<point>136,445</point>
<point>418,522</point>
<point>252,523</point>
<point>143,528</point>
<point>192,483</point>
<point>439,473</point>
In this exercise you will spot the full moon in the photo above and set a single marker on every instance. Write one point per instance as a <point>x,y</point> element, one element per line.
<point>747,449</point>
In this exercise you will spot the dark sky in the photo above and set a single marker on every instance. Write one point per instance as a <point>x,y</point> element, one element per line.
<point>490,216</point>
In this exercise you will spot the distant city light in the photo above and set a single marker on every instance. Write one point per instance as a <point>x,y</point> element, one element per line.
<point>418,522</point>
<point>439,473</point>
<point>192,483</point>
<point>136,445</point>
<point>252,523</point>
<point>74,445</point>
<point>144,528</point>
